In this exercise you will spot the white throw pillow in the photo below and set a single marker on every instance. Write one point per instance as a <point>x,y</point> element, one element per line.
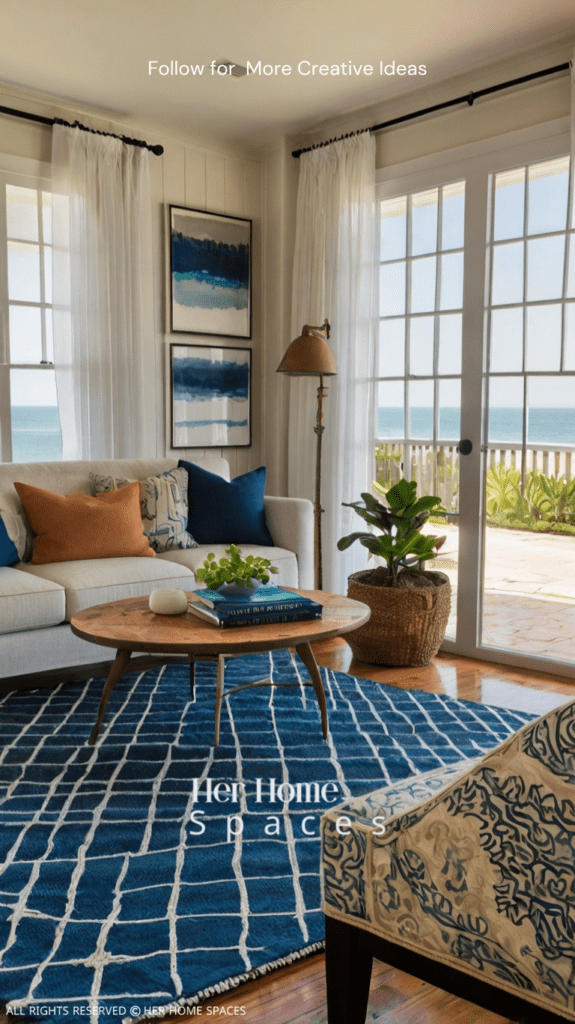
<point>164,506</point>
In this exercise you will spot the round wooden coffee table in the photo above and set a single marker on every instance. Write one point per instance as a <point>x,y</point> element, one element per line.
<point>129,626</point>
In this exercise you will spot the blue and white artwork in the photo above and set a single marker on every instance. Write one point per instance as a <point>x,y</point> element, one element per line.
<point>210,396</point>
<point>210,273</point>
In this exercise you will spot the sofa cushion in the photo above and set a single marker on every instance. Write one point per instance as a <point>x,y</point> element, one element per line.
<point>88,582</point>
<point>29,603</point>
<point>284,560</point>
<point>163,504</point>
<point>81,526</point>
<point>8,551</point>
<point>226,513</point>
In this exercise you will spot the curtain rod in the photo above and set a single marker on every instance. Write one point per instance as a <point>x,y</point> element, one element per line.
<point>157,150</point>
<point>469,98</point>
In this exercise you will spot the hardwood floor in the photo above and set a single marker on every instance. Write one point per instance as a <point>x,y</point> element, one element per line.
<point>296,994</point>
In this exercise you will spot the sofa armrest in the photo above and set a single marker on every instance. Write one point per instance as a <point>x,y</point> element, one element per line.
<point>477,875</point>
<point>290,522</point>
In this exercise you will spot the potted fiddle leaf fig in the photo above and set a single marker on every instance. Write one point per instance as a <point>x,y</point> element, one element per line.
<point>409,604</point>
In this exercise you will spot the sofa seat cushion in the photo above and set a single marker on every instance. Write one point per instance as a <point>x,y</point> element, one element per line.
<point>29,603</point>
<point>88,582</point>
<point>284,560</point>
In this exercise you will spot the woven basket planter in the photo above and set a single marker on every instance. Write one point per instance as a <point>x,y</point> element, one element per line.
<point>406,625</point>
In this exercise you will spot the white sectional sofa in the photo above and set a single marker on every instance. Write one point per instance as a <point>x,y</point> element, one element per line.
<point>37,601</point>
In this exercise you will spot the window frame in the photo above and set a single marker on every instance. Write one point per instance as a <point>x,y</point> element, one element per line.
<point>32,174</point>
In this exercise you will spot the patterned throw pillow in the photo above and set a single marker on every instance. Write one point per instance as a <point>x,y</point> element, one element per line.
<point>164,506</point>
<point>13,538</point>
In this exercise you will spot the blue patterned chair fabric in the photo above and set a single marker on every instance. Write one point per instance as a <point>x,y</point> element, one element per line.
<point>472,865</point>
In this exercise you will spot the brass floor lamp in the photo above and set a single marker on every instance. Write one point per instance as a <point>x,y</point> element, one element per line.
<point>310,356</point>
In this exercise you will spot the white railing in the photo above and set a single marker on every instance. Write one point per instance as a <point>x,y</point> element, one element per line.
<point>436,468</point>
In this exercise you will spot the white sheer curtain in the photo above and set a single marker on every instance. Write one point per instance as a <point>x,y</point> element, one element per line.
<point>103,330</point>
<point>334,278</point>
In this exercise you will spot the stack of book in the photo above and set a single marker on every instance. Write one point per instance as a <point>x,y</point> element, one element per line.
<point>265,605</point>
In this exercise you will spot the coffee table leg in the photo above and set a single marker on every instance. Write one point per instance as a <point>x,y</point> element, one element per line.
<point>116,671</point>
<point>219,695</point>
<point>192,677</point>
<point>307,656</point>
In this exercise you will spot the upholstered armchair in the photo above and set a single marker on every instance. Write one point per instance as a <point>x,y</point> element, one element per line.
<point>465,877</point>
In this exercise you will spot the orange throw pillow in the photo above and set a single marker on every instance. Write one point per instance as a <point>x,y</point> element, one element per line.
<point>78,526</point>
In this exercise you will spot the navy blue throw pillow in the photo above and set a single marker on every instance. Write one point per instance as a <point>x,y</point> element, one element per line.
<point>8,552</point>
<point>226,513</point>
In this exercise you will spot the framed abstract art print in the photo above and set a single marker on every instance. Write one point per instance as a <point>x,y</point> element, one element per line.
<point>210,273</point>
<point>211,396</point>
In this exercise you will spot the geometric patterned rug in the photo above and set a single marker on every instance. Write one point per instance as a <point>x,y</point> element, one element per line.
<point>154,870</point>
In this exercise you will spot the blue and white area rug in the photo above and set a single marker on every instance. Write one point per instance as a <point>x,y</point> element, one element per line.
<point>154,870</point>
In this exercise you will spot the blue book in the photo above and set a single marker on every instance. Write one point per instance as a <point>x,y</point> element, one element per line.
<point>254,617</point>
<point>263,601</point>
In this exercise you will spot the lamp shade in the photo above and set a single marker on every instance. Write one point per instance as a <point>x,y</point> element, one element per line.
<point>309,355</point>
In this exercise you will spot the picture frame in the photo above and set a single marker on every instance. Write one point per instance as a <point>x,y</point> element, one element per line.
<point>210,396</point>
<point>210,273</point>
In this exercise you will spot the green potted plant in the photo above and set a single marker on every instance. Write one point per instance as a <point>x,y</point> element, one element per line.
<point>409,605</point>
<point>235,576</point>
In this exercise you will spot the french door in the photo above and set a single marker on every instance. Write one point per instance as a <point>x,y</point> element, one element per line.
<point>477,345</point>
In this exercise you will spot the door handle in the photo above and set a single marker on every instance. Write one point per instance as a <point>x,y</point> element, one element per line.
<point>464,447</point>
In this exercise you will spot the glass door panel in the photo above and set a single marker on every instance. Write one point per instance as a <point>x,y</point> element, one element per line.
<point>420,354</point>
<point>528,583</point>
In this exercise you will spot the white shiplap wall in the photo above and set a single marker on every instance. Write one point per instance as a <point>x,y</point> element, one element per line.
<point>203,180</point>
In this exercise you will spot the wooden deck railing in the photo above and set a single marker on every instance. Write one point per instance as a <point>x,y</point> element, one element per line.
<point>436,468</point>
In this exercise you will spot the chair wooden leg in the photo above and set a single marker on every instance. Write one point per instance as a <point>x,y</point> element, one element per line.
<point>348,974</point>
<point>116,672</point>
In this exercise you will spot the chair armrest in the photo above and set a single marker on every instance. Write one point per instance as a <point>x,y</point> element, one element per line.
<point>290,523</point>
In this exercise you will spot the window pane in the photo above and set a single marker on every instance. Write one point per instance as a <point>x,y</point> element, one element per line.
<point>543,342</point>
<point>545,258</point>
<point>570,338</point>
<point>423,285</point>
<point>25,334</point>
<point>48,274</point>
<point>449,344</point>
<point>452,221</point>
<point>452,281</point>
<point>506,345</point>
<point>507,274</point>
<point>551,410</point>
<point>49,335</point>
<point>392,289</point>
<point>23,272</point>
<point>421,345</point>
<point>421,409</point>
<point>548,190</point>
<point>47,217</point>
<point>22,213</point>
<point>36,433</point>
<point>509,204</point>
<point>571,273</point>
<point>449,410</point>
<point>393,231</point>
<point>391,348</point>
<point>424,222</point>
<point>390,409</point>
<point>505,409</point>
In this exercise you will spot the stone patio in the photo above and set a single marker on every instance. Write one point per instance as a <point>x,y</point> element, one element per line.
<point>529,604</point>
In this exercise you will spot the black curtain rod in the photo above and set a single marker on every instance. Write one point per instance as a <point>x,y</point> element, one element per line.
<point>157,150</point>
<point>469,98</point>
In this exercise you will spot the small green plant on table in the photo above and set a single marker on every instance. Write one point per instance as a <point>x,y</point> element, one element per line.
<point>234,569</point>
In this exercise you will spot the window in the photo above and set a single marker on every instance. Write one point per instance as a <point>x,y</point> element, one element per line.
<point>29,422</point>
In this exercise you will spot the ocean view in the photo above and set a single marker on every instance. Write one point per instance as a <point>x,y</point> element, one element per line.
<point>36,428</point>
<point>544,426</point>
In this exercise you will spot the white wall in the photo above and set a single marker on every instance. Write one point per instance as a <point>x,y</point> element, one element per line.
<point>188,174</point>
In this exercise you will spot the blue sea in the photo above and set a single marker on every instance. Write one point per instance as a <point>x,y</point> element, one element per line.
<point>544,426</point>
<point>36,433</point>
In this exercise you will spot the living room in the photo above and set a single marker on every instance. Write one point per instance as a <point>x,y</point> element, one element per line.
<point>471,97</point>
